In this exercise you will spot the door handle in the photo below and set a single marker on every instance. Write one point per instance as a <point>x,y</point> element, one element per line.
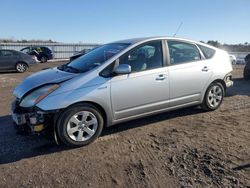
<point>205,69</point>
<point>161,77</point>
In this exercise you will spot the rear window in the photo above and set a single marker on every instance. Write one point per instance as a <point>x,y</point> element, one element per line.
<point>208,52</point>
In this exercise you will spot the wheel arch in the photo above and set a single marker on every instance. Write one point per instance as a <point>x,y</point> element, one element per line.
<point>98,106</point>
<point>222,82</point>
<point>218,80</point>
<point>56,131</point>
<point>22,62</point>
<point>203,99</point>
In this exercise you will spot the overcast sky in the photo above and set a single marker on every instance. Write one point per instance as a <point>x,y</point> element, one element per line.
<point>100,21</point>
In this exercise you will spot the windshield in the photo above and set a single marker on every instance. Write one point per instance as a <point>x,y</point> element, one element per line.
<point>95,57</point>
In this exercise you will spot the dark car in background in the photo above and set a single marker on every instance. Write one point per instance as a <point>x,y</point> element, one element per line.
<point>15,60</point>
<point>81,53</point>
<point>247,67</point>
<point>42,53</point>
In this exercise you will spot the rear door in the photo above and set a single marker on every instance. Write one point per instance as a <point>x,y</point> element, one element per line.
<point>146,88</point>
<point>189,72</point>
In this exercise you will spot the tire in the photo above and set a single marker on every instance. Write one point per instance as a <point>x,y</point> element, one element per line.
<point>73,131</point>
<point>213,97</point>
<point>246,73</point>
<point>44,59</point>
<point>21,67</point>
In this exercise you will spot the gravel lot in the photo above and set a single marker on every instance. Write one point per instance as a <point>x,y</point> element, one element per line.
<point>186,148</point>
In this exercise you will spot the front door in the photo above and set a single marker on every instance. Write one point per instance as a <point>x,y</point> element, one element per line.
<point>146,88</point>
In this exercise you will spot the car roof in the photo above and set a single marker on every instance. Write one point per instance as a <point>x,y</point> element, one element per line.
<point>40,47</point>
<point>36,47</point>
<point>145,39</point>
<point>136,40</point>
<point>6,50</point>
<point>14,51</point>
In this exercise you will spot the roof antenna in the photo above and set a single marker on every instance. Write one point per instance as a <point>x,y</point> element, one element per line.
<point>178,29</point>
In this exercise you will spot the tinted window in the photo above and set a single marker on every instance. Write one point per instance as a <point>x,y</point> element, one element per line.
<point>96,57</point>
<point>6,53</point>
<point>181,52</point>
<point>147,56</point>
<point>208,52</point>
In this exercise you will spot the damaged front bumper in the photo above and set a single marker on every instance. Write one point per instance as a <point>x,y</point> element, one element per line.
<point>32,120</point>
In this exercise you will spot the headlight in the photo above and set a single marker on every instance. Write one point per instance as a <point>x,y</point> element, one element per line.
<point>36,96</point>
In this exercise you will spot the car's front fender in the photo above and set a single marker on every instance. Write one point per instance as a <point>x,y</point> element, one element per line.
<point>99,94</point>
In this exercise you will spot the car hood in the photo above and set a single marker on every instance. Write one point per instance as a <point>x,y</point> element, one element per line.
<point>48,76</point>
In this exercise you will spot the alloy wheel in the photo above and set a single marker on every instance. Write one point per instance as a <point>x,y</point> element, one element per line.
<point>21,67</point>
<point>215,96</point>
<point>82,126</point>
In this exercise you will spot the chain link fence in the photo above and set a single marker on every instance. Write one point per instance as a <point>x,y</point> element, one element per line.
<point>65,50</point>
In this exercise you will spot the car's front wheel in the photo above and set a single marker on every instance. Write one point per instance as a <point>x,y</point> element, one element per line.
<point>213,97</point>
<point>79,125</point>
<point>21,67</point>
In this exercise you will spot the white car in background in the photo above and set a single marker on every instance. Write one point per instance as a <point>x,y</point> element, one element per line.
<point>233,59</point>
<point>240,61</point>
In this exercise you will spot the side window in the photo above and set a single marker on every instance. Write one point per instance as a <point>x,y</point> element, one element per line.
<point>182,52</point>
<point>7,53</point>
<point>208,52</point>
<point>25,50</point>
<point>144,57</point>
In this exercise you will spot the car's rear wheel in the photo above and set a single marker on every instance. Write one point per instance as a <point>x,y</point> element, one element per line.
<point>213,97</point>
<point>79,125</point>
<point>44,59</point>
<point>21,67</point>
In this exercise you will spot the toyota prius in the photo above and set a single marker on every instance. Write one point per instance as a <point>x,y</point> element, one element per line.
<point>118,82</point>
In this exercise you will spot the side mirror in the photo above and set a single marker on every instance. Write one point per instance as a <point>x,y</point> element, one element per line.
<point>123,69</point>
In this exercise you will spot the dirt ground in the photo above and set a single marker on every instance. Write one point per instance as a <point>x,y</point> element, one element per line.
<point>185,148</point>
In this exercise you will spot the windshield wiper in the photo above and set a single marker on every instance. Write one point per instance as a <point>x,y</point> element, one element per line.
<point>73,68</point>
<point>66,68</point>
